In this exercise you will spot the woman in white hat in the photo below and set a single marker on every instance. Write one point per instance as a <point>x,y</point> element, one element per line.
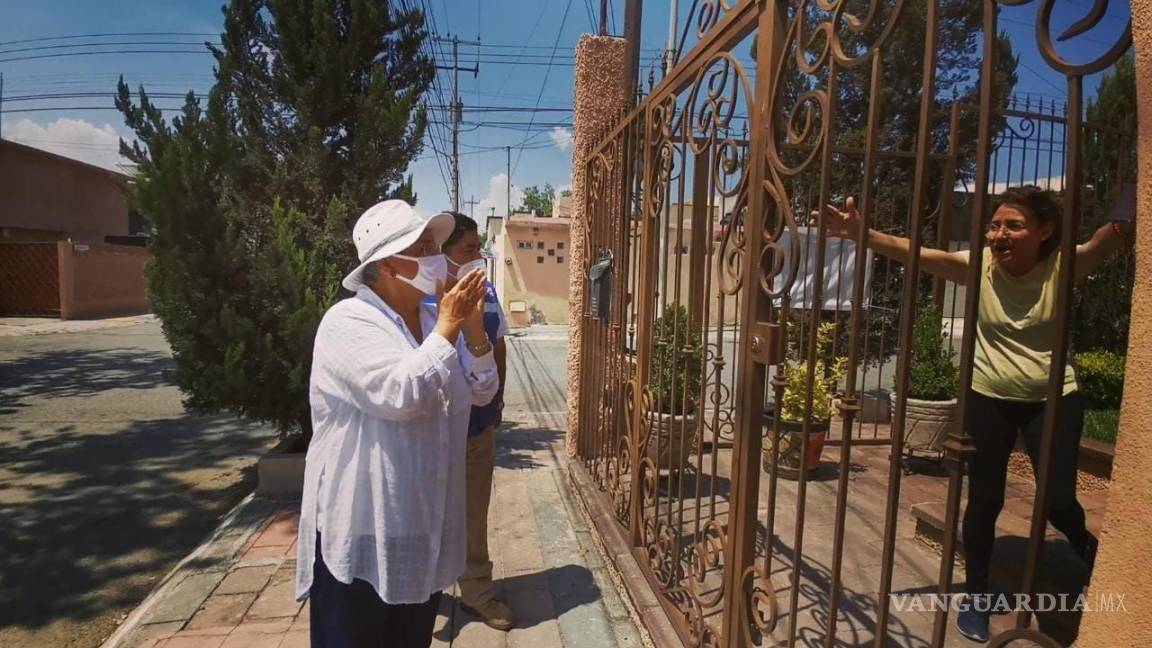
<point>393,383</point>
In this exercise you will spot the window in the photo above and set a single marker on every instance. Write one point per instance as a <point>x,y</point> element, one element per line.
<point>539,259</point>
<point>524,245</point>
<point>551,252</point>
<point>559,259</point>
<point>560,245</point>
<point>535,231</point>
<point>136,222</point>
<point>540,245</point>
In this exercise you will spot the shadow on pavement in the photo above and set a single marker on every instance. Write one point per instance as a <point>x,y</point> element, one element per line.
<point>534,598</point>
<point>91,514</point>
<point>516,443</point>
<point>63,374</point>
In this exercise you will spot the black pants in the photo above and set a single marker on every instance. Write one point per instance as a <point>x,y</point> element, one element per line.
<point>354,616</point>
<point>994,424</point>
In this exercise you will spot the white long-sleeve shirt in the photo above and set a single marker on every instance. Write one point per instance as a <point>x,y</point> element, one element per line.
<point>384,475</point>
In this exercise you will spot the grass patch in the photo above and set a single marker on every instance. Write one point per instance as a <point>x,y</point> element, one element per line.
<point>1101,425</point>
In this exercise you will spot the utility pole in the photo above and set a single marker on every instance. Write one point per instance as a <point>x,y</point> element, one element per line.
<point>471,202</point>
<point>603,17</point>
<point>670,48</point>
<point>457,110</point>
<point>1,101</point>
<point>633,13</point>
<point>508,194</point>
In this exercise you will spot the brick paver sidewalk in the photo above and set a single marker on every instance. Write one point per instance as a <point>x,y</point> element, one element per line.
<point>239,592</point>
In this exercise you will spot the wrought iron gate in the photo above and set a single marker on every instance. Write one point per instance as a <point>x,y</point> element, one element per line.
<point>714,289</point>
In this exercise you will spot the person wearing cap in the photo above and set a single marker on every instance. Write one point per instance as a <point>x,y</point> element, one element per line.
<point>393,382</point>
<point>477,591</point>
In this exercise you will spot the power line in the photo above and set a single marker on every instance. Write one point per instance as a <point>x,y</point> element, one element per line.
<point>544,84</point>
<point>427,47</point>
<point>109,94</point>
<point>41,39</point>
<point>100,52</point>
<point>591,13</point>
<point>531,33</point>
<point>1040,76</point>
<point>41,48</point>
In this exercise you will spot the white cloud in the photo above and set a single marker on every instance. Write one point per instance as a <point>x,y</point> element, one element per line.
<point>561,137</point>
<point>1053,182</point>
<point>74,138</point>
<point>497,197</point>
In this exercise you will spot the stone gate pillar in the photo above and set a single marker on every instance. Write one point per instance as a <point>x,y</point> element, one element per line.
<point>1124,564</point>
<point>600,98</point>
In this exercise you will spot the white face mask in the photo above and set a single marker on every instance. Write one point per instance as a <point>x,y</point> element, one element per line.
<point>463,270</point>
<point>433,271</point>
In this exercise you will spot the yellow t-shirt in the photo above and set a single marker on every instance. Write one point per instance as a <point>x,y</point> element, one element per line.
<point>1016,332</point>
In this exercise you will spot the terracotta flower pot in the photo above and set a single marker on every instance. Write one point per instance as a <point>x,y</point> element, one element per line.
<point>792,445</point>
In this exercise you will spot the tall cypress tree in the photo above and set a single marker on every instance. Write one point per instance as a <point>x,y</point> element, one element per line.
<point>314,116</point>
<point>1103,301</point>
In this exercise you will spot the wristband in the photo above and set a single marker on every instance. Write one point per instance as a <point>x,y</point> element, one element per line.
<point>478,350</point>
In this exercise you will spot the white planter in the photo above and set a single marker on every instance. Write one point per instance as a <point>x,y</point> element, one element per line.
<point>927,423</point>
<point>280,472</point>
<point>673,439</point>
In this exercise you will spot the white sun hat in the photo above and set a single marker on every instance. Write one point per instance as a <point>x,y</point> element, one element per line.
<point>388,228</point>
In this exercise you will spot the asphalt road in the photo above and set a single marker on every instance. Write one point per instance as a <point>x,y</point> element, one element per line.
<point>537,378</point>
<point>105,481</point>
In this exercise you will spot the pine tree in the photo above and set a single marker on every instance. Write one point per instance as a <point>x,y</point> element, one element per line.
<point>1103,302</point>
<point>314,116</point>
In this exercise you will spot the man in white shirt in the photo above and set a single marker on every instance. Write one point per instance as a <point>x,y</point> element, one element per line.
<point>392,386</point>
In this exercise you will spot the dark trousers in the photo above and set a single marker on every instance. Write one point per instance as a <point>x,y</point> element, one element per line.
<point>354,616</point>
<point>994,424</point>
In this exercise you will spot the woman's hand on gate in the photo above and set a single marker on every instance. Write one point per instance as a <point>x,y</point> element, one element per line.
<point>842,224</point>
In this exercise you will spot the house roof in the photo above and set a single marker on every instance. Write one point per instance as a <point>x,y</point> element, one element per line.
<point>24,149</point>
<point>518,220</point>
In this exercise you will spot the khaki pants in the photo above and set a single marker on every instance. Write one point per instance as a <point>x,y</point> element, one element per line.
<point>476,587</point>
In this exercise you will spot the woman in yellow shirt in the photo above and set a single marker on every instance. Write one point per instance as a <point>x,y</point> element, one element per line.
<point>1015,336</point>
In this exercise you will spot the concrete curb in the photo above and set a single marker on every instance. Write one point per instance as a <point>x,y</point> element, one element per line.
<point>211,557</point>
<point>32,326</point>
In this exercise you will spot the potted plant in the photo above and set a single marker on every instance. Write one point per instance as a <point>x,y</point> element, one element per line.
<point>828,373</point>
<point>674,387</point>
<point>932,385</point>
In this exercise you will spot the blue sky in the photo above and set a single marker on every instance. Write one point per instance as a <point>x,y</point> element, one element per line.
<point>511,31</point>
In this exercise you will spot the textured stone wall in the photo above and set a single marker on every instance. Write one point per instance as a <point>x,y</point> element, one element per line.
<point>1124,564</point>
<point>599,100</point>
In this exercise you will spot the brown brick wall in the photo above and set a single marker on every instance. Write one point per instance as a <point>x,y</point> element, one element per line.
<point>29,280</point>
<point>107,280</point>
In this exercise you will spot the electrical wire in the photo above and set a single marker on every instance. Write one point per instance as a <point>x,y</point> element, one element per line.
<point>544,84</point>
<point>43,39</point>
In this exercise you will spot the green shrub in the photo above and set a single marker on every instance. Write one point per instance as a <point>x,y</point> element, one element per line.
<point>932,373</point>
<point>1102,425</point>
<point>823,387</point>
<point>1101,375</point>
<point>677,361</point>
